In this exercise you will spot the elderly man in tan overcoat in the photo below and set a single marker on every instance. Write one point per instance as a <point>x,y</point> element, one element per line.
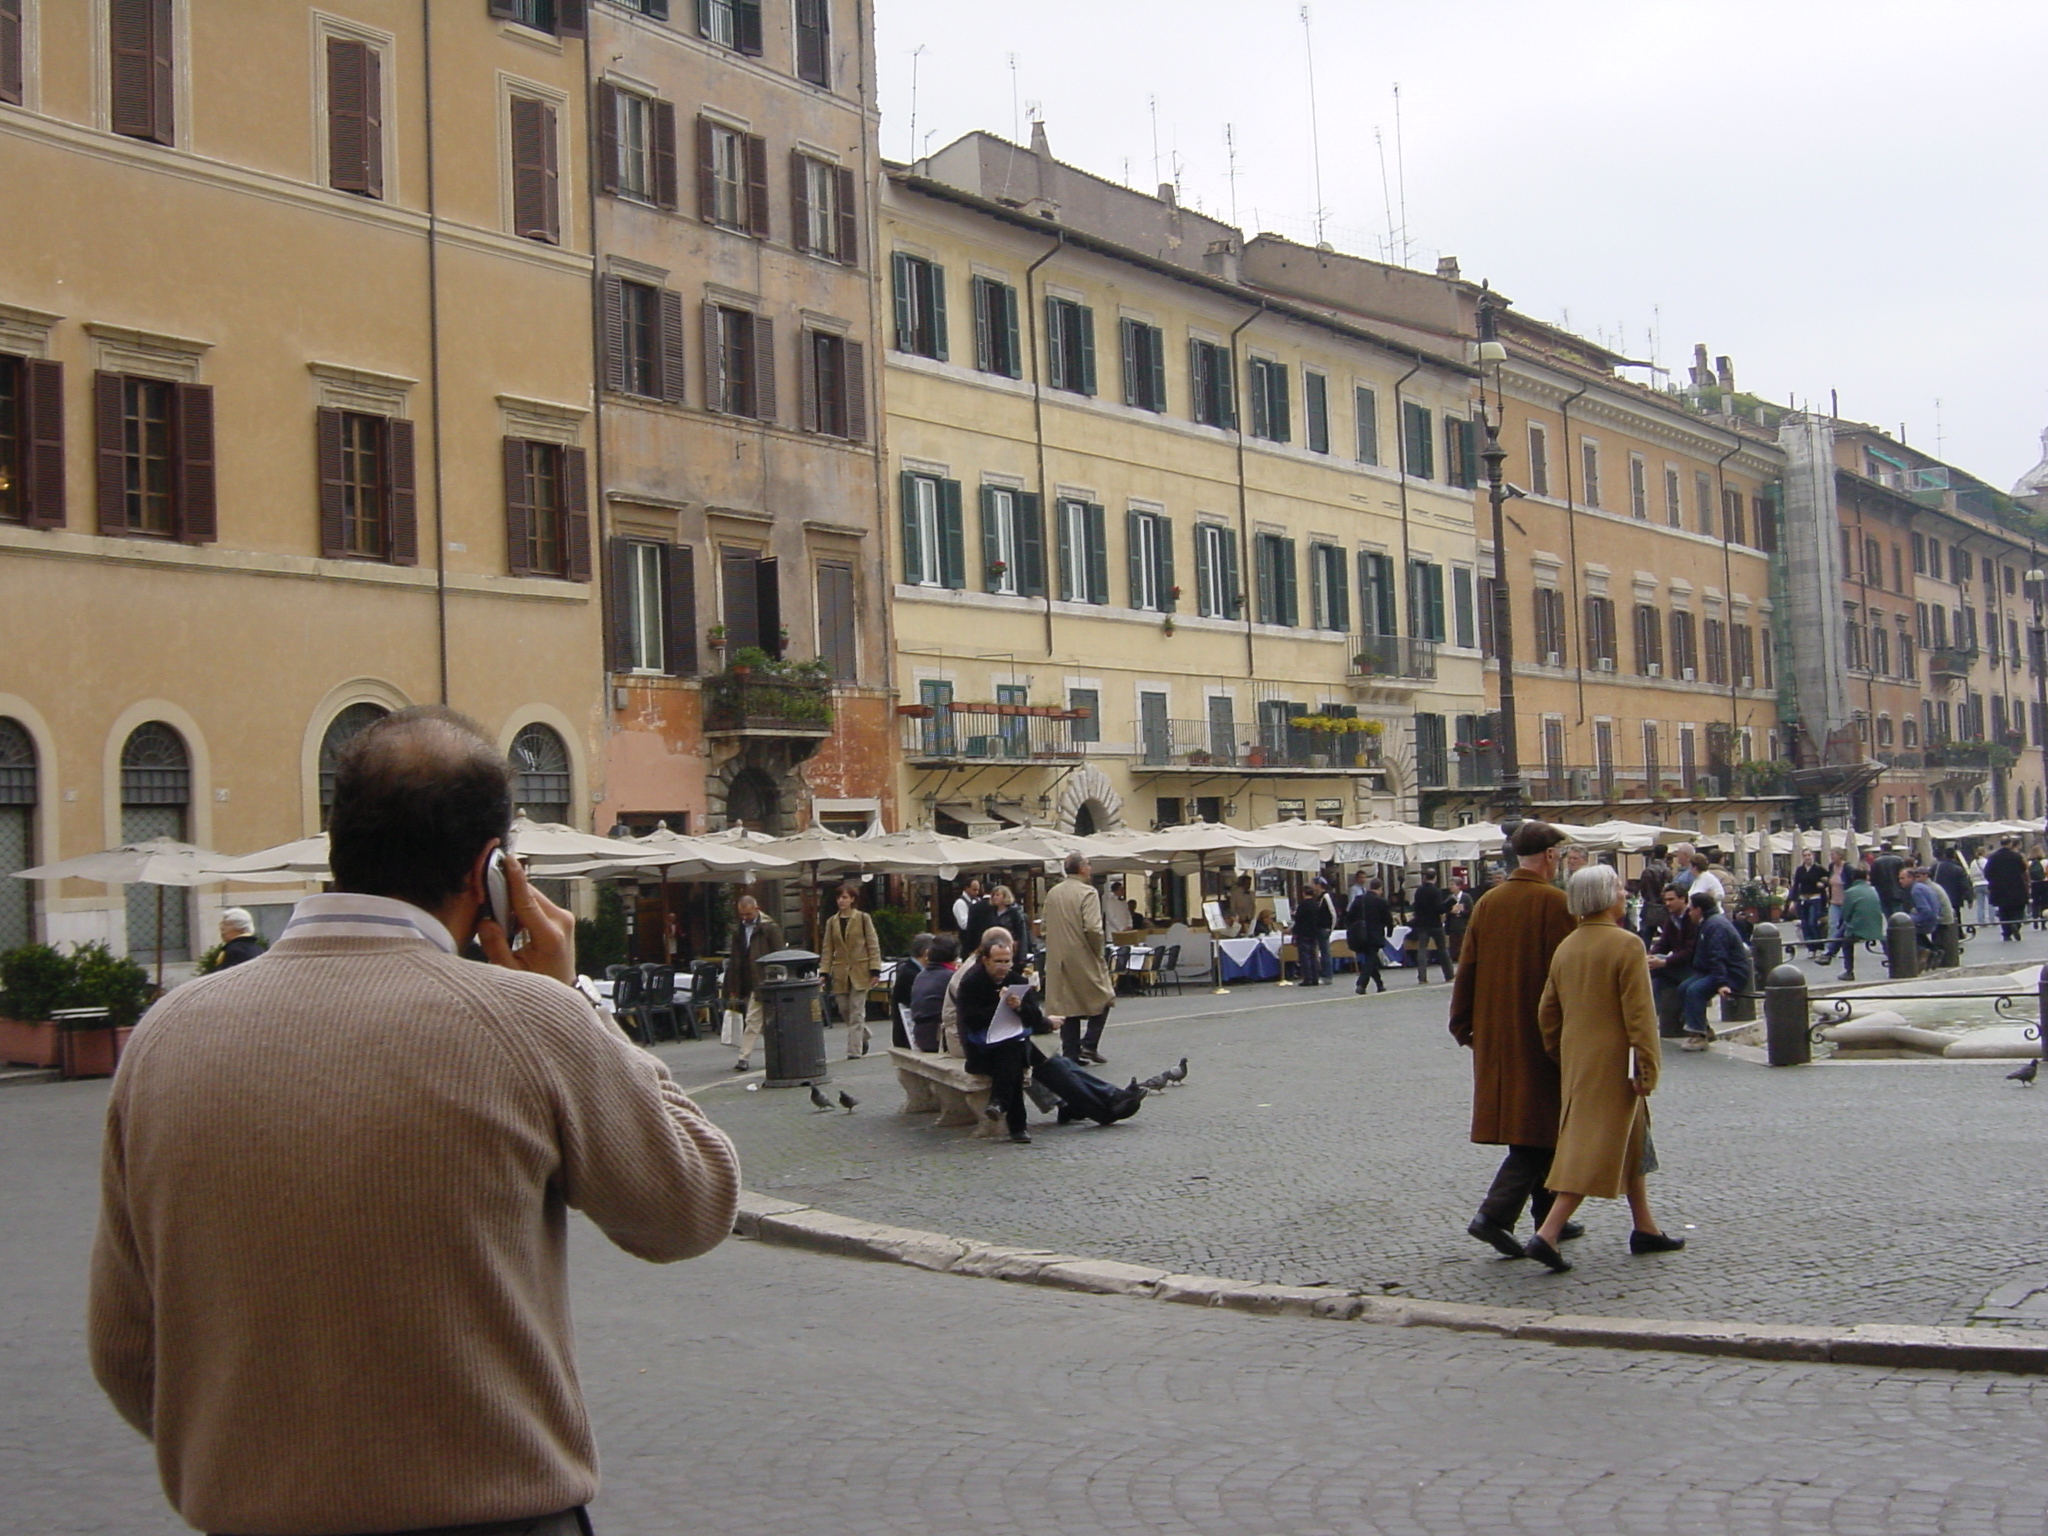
<point>1515,929</point>
<point>1078,986</point>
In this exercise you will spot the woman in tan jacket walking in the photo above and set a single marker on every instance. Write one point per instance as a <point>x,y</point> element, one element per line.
<point>850,955</point>
<point>1600,1024</point>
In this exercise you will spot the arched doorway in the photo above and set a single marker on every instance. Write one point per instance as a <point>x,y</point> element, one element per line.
<point>17,833</point>
<point>156,799</point>
<point>1084,818</point>
<point>752,800</point>
<point>341,730</point>
<point>540,775</point>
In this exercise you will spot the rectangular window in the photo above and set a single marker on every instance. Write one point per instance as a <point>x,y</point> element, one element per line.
<point>11,64</point>
<point>1735,531</point>
<point>636,146</point>
<point>1589,467</point>
<point>547,510</point>
<point>355,116</point>
<point>734,24</point>
<point>1365,416</point>
<point>557,18</point>
<point>140,45</point>
<point>823,219</point>
<point>739,363</point>
<point>1012,543</point>
<point>1549,626</point>
<point>156,463</point>
<point>1674,500</point>
<point>1149,546</point>
<point>1216,576</point>
<point>750,599</point>
<point>1463,618</point>
<point>1934,558</point>
<point>1685,656</point>
<point>1461,452</point>
<point>732,178</point>
<point>1653,763</point>
<point>1425,600</point>
<point>367,494</point>
<point>1418,444</point>
<point>1432,751</point>
<point>1070,346</point>
<point>640,339</point>
<point>1087,703</point>
<point>1638,488</point>
<point>920,306</point>
<point>31,441</point>
<point>1222,722</point>
<point>1919,554</point>
<point>1213,403</point>
<point>1600,636</point>
<point>996,348</point>
<point>838,630</point>
<point>813,42</point>
<point>1766,517</point>
<point>1491,595</point>
<point>1329,588</point>
<point>1539,462</point>
<point>1744,659</point>
<point>1378,603</point>
<point>13,438</point>
<point>1315,394</point>
<point>536,172</point>
<point>1266,381</point>
<point>934,535</point>
<point>1083,551</point>
<point>1144,349</point>
<point>654,608</point>
<point>1717,652</point>
<point>1649,641</point>
<point>835,386</point>
<point>1276,573</point>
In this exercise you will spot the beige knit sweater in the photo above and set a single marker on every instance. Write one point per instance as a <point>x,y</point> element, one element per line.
<point>330,1279</point>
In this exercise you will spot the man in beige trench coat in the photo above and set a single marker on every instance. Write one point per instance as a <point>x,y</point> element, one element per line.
<point>1514,930</point>
<point>1078,986</point>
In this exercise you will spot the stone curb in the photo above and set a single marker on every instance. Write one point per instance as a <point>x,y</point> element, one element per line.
<point>1899,1345</point>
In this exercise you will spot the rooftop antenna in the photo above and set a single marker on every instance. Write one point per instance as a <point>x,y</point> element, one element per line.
<point>1401,175</point>
<point>913,98</point>
<point>1016,115</point>
<point>1152,106</point>
<point>1315,137</point>
<point>1230,153</point>
<point>1940,437</point>
<point>1379,144</point>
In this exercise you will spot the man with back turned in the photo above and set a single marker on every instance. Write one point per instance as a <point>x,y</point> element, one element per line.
<point>330,1281</point>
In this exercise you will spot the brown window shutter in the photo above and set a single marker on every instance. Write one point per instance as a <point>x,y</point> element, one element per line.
<point>768,604</point>
<point>352,118</point>
<point>681,627</point>
<point>764,368</point>
<point>572,18</point>
<point>707,173</point>
<point>551,173</point>
<point>327,430</point>
<point>518,508</point>
<point>714,396</point>
<point>856,355</point>
<point>535,205</point>
<point>162,73</point>
<point>799,201</point>
<point>576,514</point>
<point>110,447</point>
<point>664,116</point>
<point>607,137</point>
<point>757,184</point>
<point>672,363</point>
<point>807,380</point>
<point>43,400</point>
<point>849,220</point>
<point>619,593</point>
<point>402,524</point>
<point>198,505</point>
<point>373,123</point>
<point>505,10</point>
<point>612,304</point>
<point>128,36</point>
<point>10,51</point>
<point>739,588</point>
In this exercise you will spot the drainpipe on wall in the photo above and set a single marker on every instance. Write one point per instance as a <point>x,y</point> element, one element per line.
<point>1728,587</point>
<point>1408,597</point>
<point>1244,526</point>
<point>434,354</point>
<point>1046,512</point>
<point>1571,535</point>
<point>601,556</point>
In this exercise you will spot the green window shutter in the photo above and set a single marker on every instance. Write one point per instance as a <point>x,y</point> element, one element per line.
<point>1127,334</point>
<point>1067,551</point>
<point>982,293</point>
<point>1283,428</point>
<point>1315,390</point>
<point>1226,391</point>
<point>1202,572</point>
<point>1098,553</point>
<point>1055,350</point>
<point>1469,453</point>
<point>1158,353</point>
<point>1013,354</point>
<point>906,315</point>
<point>1365,407</point>
<point>913,566</point>
<point>952,536</point>
<point>1434,575</point>
<point>1263,558</point>
<point>1462,605</point>
<point>1232,585</point>
<point>1167,600</point>
<point>1290,596</point>
<point>1085,322</point>
<point>1197,395</point>
<point>938,309</point>
<point>991,545</point>
<point>1030,545</point>
<point>1255,380</point>
<point>1132,553</point>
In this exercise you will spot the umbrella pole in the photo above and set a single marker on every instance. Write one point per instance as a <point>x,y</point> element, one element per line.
<point>159,938</point>
<point>1215,937</point>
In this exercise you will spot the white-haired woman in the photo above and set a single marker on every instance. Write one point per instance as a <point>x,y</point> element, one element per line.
<point>238,941</point>
<point>1599,1021</point>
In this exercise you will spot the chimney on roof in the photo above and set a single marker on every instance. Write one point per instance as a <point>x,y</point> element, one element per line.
<point>1166,193</point>
<point>1699,375</point>
<point>1447,268</point>
<point>1039,146</point>
<point>1220,260</point>
<point>1724,374</point>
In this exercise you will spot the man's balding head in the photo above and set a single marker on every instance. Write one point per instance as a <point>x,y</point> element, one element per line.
<point>417,797</point>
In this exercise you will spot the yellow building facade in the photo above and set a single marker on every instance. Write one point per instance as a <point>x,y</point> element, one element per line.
<point>295,395</point>
<point>1153,556</point>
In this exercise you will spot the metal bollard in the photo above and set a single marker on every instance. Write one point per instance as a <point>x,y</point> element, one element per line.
<point>1901,947</point>
<point>1787,1014</point>
<point>1766,954</point>
<point>1948,945</point>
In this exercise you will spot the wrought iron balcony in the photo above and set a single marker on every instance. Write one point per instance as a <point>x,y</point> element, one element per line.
<point>969,733</point>
<point>1392,659</point>
<point>1947,663</point>
<point>1204,746</point>
<point>762,704</point>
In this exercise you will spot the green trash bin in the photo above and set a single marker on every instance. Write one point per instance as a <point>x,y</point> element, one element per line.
<point>793,1019</point>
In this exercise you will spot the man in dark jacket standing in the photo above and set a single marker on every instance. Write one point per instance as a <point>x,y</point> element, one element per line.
<point>1885,870</point>
<point>1427,909</point>
<point>1810,898</point>
<point>2006,874</point>
<point>1515,929</point>
<point>1950,875</point>
<point>1313,920</point>
<point>1367,921</point>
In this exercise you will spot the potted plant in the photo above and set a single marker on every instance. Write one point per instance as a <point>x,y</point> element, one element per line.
<point>1200,757</point>
<point>1167,626</point>
<point>746,659</point>
<point>715,637</point>
<point>916,711</point>
<point>997,570</point>
<point>37,982</point>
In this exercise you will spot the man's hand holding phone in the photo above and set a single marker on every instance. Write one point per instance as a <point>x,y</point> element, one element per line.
<point>550,947</point>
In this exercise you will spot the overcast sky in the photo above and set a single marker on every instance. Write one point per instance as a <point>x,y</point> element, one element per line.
<point>1839,194</point>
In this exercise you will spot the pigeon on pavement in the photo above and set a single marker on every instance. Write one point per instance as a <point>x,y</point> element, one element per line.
<point>818,1098</point>
<point>1177,1074</point>
<point>2025,1075</point>
<point>847,1101</point>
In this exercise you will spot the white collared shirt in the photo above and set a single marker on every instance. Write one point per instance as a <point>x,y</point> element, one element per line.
<point>346,915</point>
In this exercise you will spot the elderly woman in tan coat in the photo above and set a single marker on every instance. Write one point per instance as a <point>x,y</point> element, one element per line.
<point>1600,1024</point>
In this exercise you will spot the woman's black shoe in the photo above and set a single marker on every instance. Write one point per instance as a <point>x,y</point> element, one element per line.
<point>1654,1242</point>
<point>1545,1255</point>
<point>1020,1138</point>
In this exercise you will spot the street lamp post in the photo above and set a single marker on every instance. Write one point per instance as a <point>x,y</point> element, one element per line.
<point>2037,660</point>
<point>1509,794</point>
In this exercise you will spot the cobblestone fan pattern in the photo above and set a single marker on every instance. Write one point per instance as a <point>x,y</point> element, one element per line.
<point>1322,1138</point>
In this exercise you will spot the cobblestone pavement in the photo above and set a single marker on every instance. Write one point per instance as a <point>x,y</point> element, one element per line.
<point>1322,1137</point>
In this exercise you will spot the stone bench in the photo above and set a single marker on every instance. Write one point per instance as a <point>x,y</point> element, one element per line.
<point>933,1082</point>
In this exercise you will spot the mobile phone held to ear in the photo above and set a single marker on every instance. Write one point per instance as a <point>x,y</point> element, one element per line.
<point>498,895</point>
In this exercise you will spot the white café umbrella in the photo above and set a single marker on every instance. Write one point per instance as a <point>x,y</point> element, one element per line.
<point>1196,839</point>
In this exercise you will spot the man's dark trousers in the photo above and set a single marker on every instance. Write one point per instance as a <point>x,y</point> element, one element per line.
<point>1080,1033</point>
<point>1519,1182</point>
